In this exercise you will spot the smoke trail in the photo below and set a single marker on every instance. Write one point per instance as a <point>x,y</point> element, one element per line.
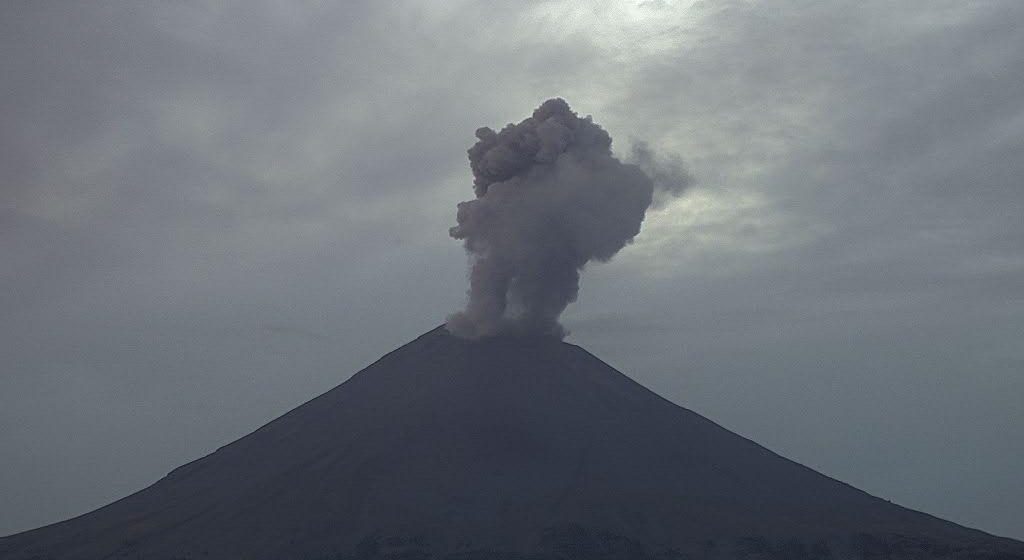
<point>550,197</point>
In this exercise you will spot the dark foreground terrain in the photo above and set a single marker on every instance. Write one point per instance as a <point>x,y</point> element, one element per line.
<point>510,448</point>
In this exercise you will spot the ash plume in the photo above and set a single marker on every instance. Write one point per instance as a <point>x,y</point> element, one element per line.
<point>550,198</point>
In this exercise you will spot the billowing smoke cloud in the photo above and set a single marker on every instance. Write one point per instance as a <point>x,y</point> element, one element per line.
<point>550,198</point>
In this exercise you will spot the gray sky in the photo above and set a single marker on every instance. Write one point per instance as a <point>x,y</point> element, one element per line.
<point>212,212</point>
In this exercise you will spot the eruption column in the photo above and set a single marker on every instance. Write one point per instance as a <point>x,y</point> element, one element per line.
<point>550,198</point>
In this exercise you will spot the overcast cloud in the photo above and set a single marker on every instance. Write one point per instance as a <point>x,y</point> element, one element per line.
<point>212,212</point>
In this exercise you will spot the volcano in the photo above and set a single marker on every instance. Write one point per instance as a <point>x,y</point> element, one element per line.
<point>511,447</point>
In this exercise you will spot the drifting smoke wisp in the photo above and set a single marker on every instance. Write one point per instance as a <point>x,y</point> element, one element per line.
<point>550,198</point>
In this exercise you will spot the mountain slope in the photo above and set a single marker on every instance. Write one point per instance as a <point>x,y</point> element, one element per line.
<point>509,447</point>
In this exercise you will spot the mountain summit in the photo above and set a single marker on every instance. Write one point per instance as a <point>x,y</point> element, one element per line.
<point>502,448</point>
